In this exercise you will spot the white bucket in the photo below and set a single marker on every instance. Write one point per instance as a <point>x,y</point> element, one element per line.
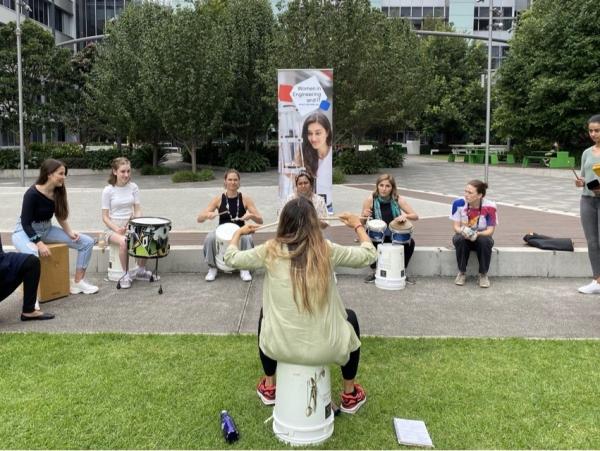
<point>390,267</point>
<point>302,414</point>
<point>115,270</point>
<point>223,236</point>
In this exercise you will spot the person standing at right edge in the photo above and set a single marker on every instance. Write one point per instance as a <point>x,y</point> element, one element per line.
<point>590,203</point>
<point>474,222</point>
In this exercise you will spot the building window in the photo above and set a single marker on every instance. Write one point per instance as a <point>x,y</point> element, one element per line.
<point>405,11</point>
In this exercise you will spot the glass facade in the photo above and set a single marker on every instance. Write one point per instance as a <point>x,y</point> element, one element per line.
<point>92,15</point>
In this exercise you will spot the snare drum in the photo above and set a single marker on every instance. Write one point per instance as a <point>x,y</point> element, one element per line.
<point>376,230</point>
<point>223,234</point>
<point>401,232</point>
<point>149,237</point>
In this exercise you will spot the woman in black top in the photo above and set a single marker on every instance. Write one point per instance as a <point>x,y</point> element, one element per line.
<point>385,204</point>
<point>47,198</point>
<point>17,269</point>
<point>229,206</point>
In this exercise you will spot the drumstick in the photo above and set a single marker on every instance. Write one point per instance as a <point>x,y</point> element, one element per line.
<point>337,218</point>
<point>267,225</point>
<point>576,176</point>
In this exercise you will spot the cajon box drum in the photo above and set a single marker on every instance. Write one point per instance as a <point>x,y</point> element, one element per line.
<point>54,278</point>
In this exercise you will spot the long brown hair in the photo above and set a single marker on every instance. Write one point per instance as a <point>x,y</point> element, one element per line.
<point>309,254</point>
<point>392,180</point>
<point>61,206</point>
<point>310,155</point>
<point>114,166</point>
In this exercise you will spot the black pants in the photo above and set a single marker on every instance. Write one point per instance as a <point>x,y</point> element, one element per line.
<point>482,246</point>
<point>349,370</point>
<point>29,275</point>
<point>409,249</point>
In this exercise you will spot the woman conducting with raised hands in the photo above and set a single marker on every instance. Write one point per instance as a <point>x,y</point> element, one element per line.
<point>303,320</point>
<point>590,203</point>
<point>45,199</point>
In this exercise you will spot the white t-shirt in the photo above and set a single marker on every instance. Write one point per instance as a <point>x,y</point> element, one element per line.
<point>324,180</point>
<point>120,200</point>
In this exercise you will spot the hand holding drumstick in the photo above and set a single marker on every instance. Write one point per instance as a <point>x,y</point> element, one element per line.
<point>579,182</point>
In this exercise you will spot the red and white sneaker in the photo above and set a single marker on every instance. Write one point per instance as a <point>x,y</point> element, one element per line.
<point>266,394</point>
<point>351,402</point>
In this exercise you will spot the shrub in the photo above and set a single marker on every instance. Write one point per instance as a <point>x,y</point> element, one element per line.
<point>101,159</point>
<point>390,156</point>
<point>188,176</point>
<point>148,169</point>
<point>142,155</point>
<point>355,162</point>
<point>247,161</point>
<point>338,176</point>
<point>9,159</point>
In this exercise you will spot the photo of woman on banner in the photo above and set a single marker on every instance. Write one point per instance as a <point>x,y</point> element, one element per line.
<point>317,154</point>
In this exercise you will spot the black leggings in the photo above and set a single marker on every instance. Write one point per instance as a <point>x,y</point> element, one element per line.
<point>29,275</point>
<point>349,370</point>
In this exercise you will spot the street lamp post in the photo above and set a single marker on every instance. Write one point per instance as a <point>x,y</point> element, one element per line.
<point>488,105</point>
<point>18,5</point>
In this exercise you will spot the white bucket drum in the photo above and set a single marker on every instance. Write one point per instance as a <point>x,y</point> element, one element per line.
<point>376,230</point>
<point>224,233</point>
<point>115,270</point>
<point>390,267</point>
<point>302,414</point>
<point>401,232</point>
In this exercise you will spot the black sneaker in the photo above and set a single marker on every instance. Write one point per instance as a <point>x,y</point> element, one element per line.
<point>370,278</point>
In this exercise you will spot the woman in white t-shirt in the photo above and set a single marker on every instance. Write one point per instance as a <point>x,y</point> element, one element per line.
<point>120,203</point>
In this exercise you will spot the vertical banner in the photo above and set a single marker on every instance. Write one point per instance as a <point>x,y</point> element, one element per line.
<point>305,110</point>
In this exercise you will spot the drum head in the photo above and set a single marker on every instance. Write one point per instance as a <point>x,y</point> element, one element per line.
<point>405,226</point>
<point>225,231</point>
<point>376,225</point>
<point>150,220</point>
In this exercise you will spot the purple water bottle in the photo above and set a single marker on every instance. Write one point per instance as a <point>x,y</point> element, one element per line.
<point>230,432</point>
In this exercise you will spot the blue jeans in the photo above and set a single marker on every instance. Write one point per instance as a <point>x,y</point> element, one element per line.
<point>52,234</point>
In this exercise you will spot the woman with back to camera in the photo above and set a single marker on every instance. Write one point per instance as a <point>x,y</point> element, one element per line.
<point>43,200</point>
<point>590,204</point>
<point>385,204</point>
<point>303,320</point>
<point>474,222</point>
<point>121,203</point>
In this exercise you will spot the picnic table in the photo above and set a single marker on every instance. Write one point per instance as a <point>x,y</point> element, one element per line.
<point>475,153</point>
<point>551,159</point>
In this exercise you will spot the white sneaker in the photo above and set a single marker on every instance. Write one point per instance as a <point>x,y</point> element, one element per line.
<point>125,282</point>
<point>245,275</point>
<point>144,274</point>
<point>211,274</point>
<point>83,287</point>
<point>591,288</point>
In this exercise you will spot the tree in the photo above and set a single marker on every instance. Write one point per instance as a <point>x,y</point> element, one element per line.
<point>43,65</point>
<point>550,82</point>
<point>456,100</point>
<point>117,84</point>
<point>376,61</point>
<point>251,108</point>
<point>189,70</point>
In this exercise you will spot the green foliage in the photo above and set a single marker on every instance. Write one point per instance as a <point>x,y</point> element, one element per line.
<point>456,100</point>
<point>148,169</point>
<point>390,156</point>
<point>247,161</point>
<point>188,176</point>
<point>550,82</point>
<point>144,156</point>
<point>9,158</point>
<point>134,391</point>
<point>355,162</point>
<point>338,176</point>
<point>45,69</point>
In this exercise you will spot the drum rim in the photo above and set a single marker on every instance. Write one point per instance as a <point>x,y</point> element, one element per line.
<point>135,221</point>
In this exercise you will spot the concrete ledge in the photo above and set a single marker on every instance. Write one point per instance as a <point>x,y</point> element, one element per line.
<point>426,261</point>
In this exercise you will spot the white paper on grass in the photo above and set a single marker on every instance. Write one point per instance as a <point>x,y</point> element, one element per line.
<point>412,432</point>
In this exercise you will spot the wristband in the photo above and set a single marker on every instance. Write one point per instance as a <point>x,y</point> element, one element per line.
<point>359,225</point>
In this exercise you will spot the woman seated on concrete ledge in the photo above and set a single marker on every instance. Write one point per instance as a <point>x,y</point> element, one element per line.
<point>21,268</point>
<point>475,220</point>
<point>303,320</point>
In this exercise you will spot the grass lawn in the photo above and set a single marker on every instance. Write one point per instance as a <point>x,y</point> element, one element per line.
<point>166,391</point>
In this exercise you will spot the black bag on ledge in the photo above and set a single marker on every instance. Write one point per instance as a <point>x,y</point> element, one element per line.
<point>548,243</point>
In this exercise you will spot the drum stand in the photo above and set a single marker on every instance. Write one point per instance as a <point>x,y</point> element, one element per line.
<point>152,277</point>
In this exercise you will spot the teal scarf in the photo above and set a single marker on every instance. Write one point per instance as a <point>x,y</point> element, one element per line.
<point>382,200</point>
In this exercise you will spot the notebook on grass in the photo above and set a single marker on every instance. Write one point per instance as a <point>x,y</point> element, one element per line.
<point>412,433</point>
